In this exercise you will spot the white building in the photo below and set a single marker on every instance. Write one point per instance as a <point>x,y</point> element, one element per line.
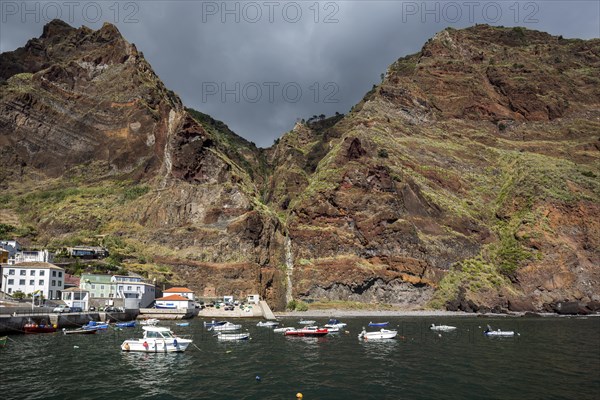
<point>30,277</point>
<point>181,291</point>
<point>76,297</point>
<point>174,301</point>
<point>32,256</point>
<point>12,246</point>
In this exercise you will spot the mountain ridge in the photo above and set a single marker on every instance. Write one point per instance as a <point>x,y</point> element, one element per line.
<point>453,183</point>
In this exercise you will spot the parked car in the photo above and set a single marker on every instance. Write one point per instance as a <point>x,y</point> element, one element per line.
<point>61,309</point>
<point>76,309</point>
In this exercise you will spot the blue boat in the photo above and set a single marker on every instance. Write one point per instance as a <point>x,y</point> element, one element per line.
<point>129,324</point>
<point>93,325</point>
<point>182,324</point>
<point>214,323</point>
<point>378,323</point>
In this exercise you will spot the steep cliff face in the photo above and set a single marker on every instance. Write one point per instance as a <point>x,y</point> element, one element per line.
<point>467,179</point>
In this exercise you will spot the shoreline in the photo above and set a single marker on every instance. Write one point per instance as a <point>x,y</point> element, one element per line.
<point>338,313</point>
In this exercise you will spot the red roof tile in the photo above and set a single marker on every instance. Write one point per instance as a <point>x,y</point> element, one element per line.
<point>178,290</point>
<point>174,297</point>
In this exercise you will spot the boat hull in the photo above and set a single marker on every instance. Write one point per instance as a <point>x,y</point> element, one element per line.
<point>233,336</point>
<point>226,327</point>
<point>382,334</point>
<point>442,328</point>
<point>30,328</point>
<point>156,345</point>
<point>500,333</point>
<point>307,332</point>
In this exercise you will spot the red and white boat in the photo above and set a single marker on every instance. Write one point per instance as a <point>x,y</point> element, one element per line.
<point>308,331</point>
<point>32,327</point>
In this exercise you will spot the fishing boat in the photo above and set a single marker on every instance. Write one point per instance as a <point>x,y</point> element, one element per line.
<point>442,328</point>
<point>93,325</point>
<point>232,336</point>
<point>268,324</point>
<point>157,339</point>
<point>498,333</point>
<point>32,327</point>
<point>307,322</point>
<point>308,331</point>
<point>335,323</point>
<point>214,323</point>
<point>284,329</point>
<point>228,326</point>
<point>3,340</point>
<point>378,323</point>
<point>150,322</point>
<point>79,331</point>
<point>130,324</point>
<point>381,334</point>
<point>182,324</point>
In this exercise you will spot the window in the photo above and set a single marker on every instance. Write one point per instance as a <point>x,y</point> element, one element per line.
<point>32,272</point>
<point>21,281</point>
<point>11,271</point>
<point>139,289</point>
<point>23,272</point>
<point>93,286</point>
<point>9,290</point>
<point>60,284</point>
<point>50,296</point>
<point>53,282</point>
<point>102,287</point>
<point>128,287</point>
<point>11,281</point>
<point>41,281</point>
<point>42,273</point>
<point>60,274</point>
<point>32,282</point>
<point>53,273</point>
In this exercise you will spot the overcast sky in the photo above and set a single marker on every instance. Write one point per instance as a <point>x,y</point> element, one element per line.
<point>260,65</point>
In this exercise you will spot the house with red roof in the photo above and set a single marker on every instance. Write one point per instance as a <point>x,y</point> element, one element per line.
<point>174,301</point>
<point>181,291</point>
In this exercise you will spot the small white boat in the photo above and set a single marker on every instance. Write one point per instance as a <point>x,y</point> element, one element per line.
<point>335,323</point>
<point>283,330</point>
<point>157,340</point>
<point>490,332</point>
<point>228,326</point>
<point>268,324</point>
<point>442,328</point>
<point>233,336</point>
<point>306,322</point>
<point>333,329</point>
<point>150,322</point>
<point>382,334</point>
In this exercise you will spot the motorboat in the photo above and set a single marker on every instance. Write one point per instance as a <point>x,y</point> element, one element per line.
<point>335,323</point>
<point>214,323</point>
<point>333,329</point>
<point>497,333</point>
<point>232,336</point>
<point>442,328</point>
<point>381,334</point>
<point>182,324</point>
<point>268,324</point>
<point>157,339</point>
<point>32,327</point>
<point>284,329</point>
<point>79,331</point>
<point>378,323</point>
<point>228,326</point>
<point>150,322</point>
<point>308,331</point>
<point>93,325</point>
<point>130,324</point>
<point>307,322</point>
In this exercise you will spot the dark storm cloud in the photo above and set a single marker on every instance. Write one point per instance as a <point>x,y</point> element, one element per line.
<point>260,65</point>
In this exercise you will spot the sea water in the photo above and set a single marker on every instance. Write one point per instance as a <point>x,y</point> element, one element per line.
<point>550,358</point>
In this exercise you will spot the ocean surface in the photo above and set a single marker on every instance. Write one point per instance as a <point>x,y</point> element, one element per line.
<point>552,358</point>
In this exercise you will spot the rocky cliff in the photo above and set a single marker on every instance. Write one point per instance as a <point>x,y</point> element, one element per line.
<point>467,179</point>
